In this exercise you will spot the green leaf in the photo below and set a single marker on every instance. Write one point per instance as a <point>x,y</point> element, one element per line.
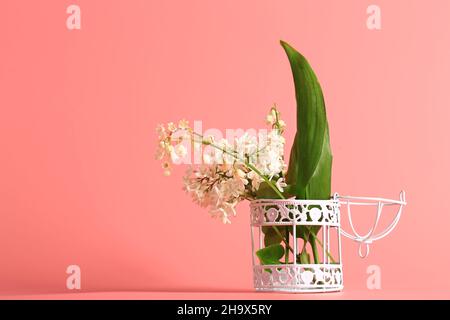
<point>304,232</point>
<point>309,171</point>
<point>304,257</point>
<point>271,254</point>
<point>272,237</point>
<point>266,192</point>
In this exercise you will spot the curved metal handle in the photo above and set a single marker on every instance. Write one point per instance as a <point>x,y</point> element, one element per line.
<point>370,237</point>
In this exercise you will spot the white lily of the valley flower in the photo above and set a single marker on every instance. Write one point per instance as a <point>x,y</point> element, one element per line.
<point>270,120</point>
<point>281,184</point>
<point>272,117</point>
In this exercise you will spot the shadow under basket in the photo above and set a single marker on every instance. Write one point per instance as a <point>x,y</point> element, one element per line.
<point>296,244</point>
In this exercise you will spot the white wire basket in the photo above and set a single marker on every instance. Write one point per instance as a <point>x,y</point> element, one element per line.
<point>308,234</point>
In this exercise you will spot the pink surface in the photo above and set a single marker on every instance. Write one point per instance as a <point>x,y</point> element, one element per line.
<point>243,295</point>
<point>78,180</point>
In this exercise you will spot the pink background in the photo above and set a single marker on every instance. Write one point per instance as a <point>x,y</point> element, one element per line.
<point>78,179</point>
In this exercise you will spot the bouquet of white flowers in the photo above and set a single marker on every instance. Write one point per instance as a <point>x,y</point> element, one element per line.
<point>251,168</point>
<point>230,172</point>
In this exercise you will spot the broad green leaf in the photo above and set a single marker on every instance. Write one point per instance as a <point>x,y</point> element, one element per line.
<point>272,237</point>
<point>271,254</point>
<point>309,171</point>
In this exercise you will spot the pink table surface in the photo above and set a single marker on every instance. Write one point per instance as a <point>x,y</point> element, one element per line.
<point>242,295</point>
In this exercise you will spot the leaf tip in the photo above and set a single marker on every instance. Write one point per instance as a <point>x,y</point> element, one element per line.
<point>285,45</point>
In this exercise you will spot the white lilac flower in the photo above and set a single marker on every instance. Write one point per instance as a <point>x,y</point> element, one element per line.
<point>217,187</point>
<point>166,167</point>
<point>169,148</point>
<point>255,180</point>
<point>226,176</point>
<point>161,131</point>
<point>171,127</point>
<point>180,151</point>
<point>183,124</point>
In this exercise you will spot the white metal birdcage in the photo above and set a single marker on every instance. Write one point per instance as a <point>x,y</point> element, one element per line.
<point>291,222</point>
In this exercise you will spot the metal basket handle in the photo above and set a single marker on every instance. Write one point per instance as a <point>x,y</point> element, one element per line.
<point>367,239</point>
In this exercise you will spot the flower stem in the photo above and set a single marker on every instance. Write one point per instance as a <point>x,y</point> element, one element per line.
<point>312,241</point>
<point>269,182</point>
<point>286,255</point>
<point>321,245</point>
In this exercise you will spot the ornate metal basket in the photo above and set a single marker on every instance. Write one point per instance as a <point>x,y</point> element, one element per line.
<point>293,221</point>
